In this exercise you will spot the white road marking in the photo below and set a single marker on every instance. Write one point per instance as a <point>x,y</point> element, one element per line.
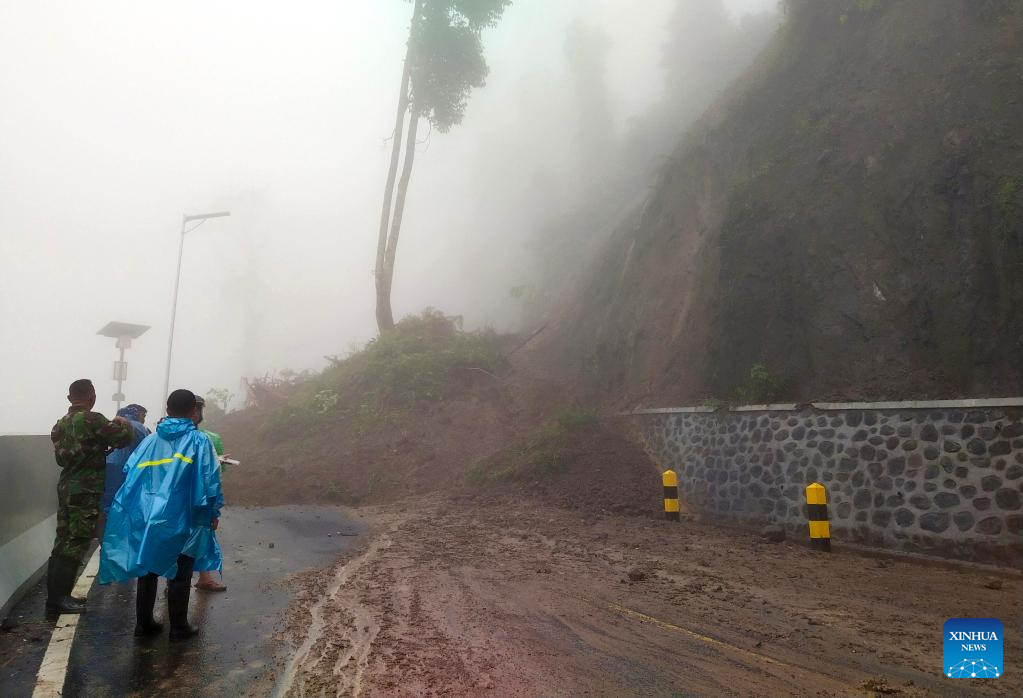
<point>53,670</point>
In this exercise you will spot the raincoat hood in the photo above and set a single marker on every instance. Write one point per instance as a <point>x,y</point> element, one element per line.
<point>171,428</point>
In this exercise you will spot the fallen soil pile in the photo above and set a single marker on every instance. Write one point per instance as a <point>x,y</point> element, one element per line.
<point>444,412</point>
<point>578,461</point>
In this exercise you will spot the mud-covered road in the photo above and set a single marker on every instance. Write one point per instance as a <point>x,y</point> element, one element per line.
<point>475,597</point>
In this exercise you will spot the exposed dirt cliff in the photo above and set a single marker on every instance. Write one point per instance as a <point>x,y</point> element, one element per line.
<point>850,215</point>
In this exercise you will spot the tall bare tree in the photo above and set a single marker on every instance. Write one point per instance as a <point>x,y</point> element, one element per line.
<point>443,62</point>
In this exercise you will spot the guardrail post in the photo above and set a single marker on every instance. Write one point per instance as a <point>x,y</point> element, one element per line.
<point>817,514</point>
<point>670,481</point>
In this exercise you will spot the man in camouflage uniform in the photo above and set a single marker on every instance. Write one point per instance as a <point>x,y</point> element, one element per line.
<point>81,440</point>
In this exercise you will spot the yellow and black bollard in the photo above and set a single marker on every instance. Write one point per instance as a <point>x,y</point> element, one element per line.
<point>817,513</point>
<point>670,481</point>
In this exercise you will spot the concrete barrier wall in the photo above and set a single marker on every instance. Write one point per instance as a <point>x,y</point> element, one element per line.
<point>941,478</point>
<point>28,506</point>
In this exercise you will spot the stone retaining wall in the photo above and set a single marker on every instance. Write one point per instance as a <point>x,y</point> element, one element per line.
<point>944,479</point>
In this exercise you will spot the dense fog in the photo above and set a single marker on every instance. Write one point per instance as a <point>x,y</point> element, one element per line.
<point>119,117</point>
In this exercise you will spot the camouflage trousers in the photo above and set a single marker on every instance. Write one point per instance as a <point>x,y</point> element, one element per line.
<point>78,501</point>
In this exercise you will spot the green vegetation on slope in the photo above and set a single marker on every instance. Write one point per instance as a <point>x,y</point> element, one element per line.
<point>546,452</point>
<point>412,363</point>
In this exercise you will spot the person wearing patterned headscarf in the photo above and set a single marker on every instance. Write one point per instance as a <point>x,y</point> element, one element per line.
<point>136,415</point>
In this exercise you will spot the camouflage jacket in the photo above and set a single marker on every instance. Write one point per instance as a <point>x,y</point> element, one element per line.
<point>82,439</point>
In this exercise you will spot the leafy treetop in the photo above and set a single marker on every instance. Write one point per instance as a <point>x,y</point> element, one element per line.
<point>446,56</point>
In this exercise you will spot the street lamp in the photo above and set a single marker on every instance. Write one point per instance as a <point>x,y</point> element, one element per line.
<point>123,332</point>
<point>185,220</point>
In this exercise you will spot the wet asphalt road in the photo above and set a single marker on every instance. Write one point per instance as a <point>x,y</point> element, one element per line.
<point>234,653</point>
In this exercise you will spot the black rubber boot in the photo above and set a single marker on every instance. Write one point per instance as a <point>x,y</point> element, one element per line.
<point>145,600</point>
<point>61,574</point>
<point>177,611</point>
<point>178,591</point>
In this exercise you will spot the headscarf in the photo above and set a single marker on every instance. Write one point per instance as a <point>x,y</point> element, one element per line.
<point>133,412</point>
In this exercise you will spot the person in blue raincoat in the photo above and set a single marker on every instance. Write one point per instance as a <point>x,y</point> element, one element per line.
<point>136,415</point>
<point>171,490</point>
<point>209,559</point>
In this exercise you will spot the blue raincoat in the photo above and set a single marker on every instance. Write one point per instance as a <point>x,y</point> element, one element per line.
<point>117,458</point>
<point>204,538</point>
<point>171,492</point>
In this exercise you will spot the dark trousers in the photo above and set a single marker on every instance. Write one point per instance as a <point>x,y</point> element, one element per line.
<point>77,515</point>
<point>178,591</point>
<point>77,511</point>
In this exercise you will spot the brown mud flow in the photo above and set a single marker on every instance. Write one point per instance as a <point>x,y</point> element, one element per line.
<point>481,596</point>
<point>322,651</point>
<point>517,547</point>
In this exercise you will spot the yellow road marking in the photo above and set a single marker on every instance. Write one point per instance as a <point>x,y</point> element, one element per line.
<point>643,618</point>
<point>671,627</point>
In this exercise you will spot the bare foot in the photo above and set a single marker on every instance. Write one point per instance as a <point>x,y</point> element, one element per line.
<point>207,582</point>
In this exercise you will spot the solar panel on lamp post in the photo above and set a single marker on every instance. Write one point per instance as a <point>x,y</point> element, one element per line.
<point>185,220</point>
<point>123,332</point>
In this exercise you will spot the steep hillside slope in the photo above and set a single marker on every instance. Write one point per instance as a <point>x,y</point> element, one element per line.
<point>850,216</point>
<point>426,408</point>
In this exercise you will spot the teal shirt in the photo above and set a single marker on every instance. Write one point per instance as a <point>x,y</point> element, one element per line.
<point>218,445</point>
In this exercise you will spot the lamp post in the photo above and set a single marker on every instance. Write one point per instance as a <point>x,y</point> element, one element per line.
<point>185,220</point>
<point>123,332</point>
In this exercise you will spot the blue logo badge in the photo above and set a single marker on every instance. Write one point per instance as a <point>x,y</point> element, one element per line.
<point>973,648</point>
